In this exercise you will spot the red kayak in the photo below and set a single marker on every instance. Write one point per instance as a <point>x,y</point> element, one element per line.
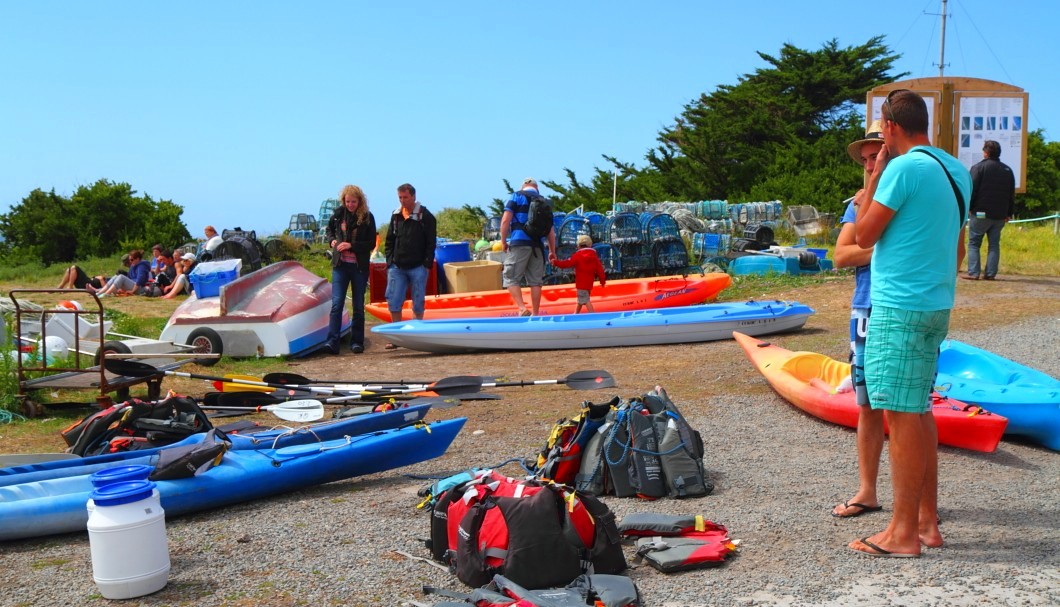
<point>621,295</point>
<point>808,380</point>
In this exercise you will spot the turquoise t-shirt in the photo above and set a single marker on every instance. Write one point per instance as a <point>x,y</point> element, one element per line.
<point>914,265</point>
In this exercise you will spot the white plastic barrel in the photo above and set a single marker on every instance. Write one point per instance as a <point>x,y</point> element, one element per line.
<point>127,538</point>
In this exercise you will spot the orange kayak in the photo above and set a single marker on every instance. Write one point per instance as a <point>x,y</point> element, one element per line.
<point>618,296</point>
<point>807,380</point>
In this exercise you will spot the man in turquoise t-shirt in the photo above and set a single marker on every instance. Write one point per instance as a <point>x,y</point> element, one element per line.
<point>915,219</point>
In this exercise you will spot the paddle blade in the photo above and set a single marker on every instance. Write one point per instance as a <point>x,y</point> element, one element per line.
<point>239,399</point>
<point>459,384</point>
<point>239,383</point>
<point>130,368</point>
<point>298,410</point>
<point>286,378</point>
<point>590,380</point>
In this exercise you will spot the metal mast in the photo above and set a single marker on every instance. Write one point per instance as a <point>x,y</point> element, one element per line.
<point>942,43</point>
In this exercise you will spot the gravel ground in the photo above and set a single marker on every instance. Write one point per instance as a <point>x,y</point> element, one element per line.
<point>778,473</point>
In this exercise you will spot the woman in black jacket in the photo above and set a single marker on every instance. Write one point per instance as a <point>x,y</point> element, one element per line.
<point>351,234</point>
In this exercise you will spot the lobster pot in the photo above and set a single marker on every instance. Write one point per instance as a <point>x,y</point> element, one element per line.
<point>759,232</point>
<point>706,245</point>
<point>597,222</point>
<point>492,229</point>
<point>629,207</point>
<point>573,226</point>
<point>557,220</point>
<point>327,209</point>
<point>609,257</point>
<point>657,227</point>
<point>712,209</point>
<point>635,257</point>
<point>127,539</point>
<point>669,255</point>
<point>248,250</point>
<point>719,226</point>
<point>623,228</point>
<point>563,251</point>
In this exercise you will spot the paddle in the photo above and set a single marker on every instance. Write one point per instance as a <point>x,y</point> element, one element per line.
<point>253,400</point>
<point>579,380</point>
<point>294,411</point>
<point>133,368</point>
<point>294,378</point>
<point>229,386</point>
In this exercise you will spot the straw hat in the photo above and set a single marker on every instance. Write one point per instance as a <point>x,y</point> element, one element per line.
<point>874,133</point>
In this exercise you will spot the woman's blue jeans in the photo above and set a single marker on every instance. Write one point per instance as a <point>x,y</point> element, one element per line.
<point>342,277</point>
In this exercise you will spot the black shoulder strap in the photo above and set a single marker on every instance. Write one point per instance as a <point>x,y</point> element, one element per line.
<point>953,184</point>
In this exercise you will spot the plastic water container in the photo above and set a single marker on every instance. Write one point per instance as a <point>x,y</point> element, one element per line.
<point>127,538</point>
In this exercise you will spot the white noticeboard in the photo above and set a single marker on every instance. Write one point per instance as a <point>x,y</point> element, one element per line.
<point>931,101</point>
<point>982,118</point>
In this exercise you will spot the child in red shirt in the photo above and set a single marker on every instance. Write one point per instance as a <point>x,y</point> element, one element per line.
<point>587,268</point>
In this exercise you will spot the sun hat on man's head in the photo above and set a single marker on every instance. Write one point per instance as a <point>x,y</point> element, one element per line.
<point>125,258</point>
<point>874,133</point>
<point>530,181</point>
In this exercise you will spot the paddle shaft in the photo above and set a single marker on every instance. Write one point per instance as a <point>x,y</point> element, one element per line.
<point>450,385</point>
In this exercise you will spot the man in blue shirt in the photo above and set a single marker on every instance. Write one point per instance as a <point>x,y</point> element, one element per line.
<point>914,218</point>
<point>525,259</point>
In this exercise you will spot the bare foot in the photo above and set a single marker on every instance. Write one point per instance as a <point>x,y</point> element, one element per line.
<point>930,535</point>
<point>856,507</point>
<point>881,545</point>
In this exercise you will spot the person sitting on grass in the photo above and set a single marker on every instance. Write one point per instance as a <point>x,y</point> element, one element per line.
<point>587,268</point>
<point>75,278</point>
<point>182,283</point>
<point>134,283</point>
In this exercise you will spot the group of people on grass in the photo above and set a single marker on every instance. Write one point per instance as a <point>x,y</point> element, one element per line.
<point>165,276</point>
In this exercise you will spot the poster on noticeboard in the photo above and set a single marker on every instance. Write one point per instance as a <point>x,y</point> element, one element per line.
<point>997,118</point>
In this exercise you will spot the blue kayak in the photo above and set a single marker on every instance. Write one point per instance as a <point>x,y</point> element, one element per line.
<point>272,438</point>
<point>59,505</point>
<point>1029,398</point>
<point>687,324</point>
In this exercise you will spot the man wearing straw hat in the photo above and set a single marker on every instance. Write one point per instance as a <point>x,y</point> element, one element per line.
<point>849,255</point>
<point>916,203</point>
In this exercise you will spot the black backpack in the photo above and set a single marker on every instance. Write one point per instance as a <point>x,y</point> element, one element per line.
<point>539,217</point>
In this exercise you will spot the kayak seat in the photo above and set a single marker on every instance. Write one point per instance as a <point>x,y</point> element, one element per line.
<point>811,365</point>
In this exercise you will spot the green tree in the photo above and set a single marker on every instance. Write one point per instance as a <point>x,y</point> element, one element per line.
<point>461,224</point>
<point>785,119</point>
<point>1043,178</point>
<point>42,226</point>
<point>96,221</point>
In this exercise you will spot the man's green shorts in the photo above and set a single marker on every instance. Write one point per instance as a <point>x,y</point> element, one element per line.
<point>901,357</point>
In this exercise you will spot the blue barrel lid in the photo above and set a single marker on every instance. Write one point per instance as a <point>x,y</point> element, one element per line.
<point>116,474</point>
<point>124,492</point>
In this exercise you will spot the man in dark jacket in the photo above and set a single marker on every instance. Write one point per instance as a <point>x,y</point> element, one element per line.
<point>410,242</point>
<point>993,203</point>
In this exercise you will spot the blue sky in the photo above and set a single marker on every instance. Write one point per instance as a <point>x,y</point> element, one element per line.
<point>247,112</point>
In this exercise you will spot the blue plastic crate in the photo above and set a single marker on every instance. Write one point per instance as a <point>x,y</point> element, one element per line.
<point>209,276</point>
